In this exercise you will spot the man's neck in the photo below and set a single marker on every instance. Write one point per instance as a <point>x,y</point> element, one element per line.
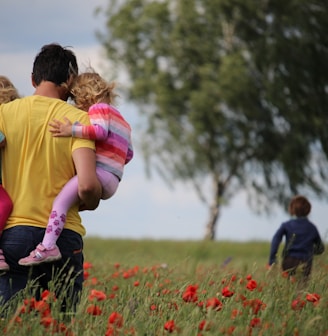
<point>51,90</point>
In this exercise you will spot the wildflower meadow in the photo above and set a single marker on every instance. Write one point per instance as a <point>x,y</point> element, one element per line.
<point>152,288</point>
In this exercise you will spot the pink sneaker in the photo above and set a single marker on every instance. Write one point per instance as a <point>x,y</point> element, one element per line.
<point>3,265</point>
<point>41,255</point>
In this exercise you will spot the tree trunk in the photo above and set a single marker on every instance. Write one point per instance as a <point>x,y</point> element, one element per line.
<point>214,210</point>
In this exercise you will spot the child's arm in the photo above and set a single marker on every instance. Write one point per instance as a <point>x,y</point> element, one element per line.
<point>318,247</point>
<point>99,115</point>
<point>77,130</point>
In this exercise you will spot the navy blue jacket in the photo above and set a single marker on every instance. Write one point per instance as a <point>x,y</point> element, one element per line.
<point>302,240</point>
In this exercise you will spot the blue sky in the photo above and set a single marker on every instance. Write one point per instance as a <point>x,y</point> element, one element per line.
<point>142,208</point>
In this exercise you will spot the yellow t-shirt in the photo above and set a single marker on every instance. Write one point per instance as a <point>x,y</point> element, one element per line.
<point>36,165</point>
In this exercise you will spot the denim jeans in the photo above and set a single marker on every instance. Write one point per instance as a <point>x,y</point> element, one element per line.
<point>19,241</point>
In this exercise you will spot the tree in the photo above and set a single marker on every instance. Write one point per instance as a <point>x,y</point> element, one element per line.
<point>234,92</point>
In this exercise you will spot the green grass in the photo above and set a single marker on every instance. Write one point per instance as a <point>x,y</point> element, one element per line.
<point>144,282</point>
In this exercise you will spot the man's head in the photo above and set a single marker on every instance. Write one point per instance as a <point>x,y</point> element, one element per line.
<point>55,64</point>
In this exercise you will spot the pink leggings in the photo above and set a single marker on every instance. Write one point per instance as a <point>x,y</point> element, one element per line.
<point>69,196</point>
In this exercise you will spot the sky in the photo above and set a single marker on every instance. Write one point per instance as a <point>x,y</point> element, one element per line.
<point>142,208</point>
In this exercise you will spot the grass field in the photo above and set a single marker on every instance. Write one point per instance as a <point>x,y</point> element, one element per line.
<point>152,288</point>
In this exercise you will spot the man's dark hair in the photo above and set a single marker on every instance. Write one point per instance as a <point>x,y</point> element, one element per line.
<point>54,63</point>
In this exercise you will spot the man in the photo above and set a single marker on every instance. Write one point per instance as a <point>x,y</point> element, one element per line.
<point>36,166</point>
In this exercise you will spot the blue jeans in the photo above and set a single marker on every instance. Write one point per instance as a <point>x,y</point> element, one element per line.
<point>19,241</point>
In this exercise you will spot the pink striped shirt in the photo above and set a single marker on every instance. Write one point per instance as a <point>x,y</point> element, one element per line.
<point>112,135</point>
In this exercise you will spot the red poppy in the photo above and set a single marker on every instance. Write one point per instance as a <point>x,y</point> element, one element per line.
<point>251,285</point>
<point>226,292</point>
<point>204,325</point>
<point>94,281</point>
<point>255,322</point>
<point>312,297</point>
<point>110,331</point>
<point>235,313</point>
<point>153,307</point>
<point>116,319</point>
<point>298,304</point>
<point>47,296</point>
<point>97,295</point>
<point>190,294</point>
<point>233,278</point>
<point>87,265</point>
<point>94,310</point>
<point>48,322</point>
<point>169,326</point>
<point>111,295</point>
<point>86,275</point>
<point>42,307</point>
<point>214,303</point>
<point>256,305</point>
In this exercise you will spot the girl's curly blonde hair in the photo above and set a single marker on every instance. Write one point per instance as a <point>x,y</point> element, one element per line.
<point>8,92</point>
<point>90,88</point>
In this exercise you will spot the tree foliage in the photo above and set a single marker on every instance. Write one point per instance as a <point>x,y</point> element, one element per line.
<point>234,92</point>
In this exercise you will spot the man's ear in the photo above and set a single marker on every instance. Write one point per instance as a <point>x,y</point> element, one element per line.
<point>33,81</point>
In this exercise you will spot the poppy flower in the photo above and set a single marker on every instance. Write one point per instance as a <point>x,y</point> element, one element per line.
<point>169,326</point>
<point>48,322</point>
<point>256,305</point>
<point>235,313</point>
<point>298,304</point>
<point>46,295</point>
<point>190,294</point>
<point>87,265</point>
<point>94,310</point>
<point>97,295</point>
<point>214,303</point>
<point>226,292</point>
<point>204,325</point>
<point>42,307</point>
<point>255,322</point>
<point>116,319</point>
<point>86,275</point>
<point>312,297</point>
<point>251,285</point>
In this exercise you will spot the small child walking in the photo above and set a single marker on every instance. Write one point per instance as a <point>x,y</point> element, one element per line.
<point>112,135</point>
<point>8,93</point>
<point>302,239</point>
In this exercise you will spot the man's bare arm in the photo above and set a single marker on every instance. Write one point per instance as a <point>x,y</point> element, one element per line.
<point>89,187</point>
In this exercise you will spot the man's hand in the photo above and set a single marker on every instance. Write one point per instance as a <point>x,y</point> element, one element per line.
<point>60,129</point>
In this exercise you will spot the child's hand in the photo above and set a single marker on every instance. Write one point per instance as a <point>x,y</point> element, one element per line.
<point>60,129</point>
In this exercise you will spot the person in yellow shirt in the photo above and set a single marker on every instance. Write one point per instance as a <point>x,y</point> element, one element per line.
<point>36,166</point>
